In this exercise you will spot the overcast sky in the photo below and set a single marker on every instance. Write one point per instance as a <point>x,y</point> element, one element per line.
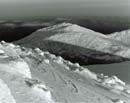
<point>29,8</point>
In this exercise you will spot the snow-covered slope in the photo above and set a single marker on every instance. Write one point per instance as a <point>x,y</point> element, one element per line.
<point>123,37</point>
<point>34,76</point>
<point>78,44</point>
<point>122,70</point>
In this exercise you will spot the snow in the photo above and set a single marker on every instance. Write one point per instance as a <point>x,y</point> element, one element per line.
<point>118,101</point>
<point>74,34</point>
<point>39,51</point>
<point>113,80</point>
<point>3,42</point>
<point>77,65</point>
<point>1,52</point>
<point>48,81</point>
<point>5,93</point>
<point>12,45</point>
<point>127,91</point>
<point>41,89</point>
<point>123,36</point>
<point>59,60</point>
<point>21,67</point>
<point>52,56</point>
<point>63,38</point>
<point>46,61</point>
<point>87,73</point>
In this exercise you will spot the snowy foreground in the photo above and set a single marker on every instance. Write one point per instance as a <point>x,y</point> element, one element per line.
<point>33,76</point>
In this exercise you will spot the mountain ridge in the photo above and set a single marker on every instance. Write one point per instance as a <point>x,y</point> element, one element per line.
<point>123,36</point>
<point>71,34</point>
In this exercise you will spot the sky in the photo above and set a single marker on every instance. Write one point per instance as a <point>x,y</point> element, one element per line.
<point>31,8</point>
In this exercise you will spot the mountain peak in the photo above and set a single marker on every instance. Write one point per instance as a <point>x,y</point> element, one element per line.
<point>66,27</point>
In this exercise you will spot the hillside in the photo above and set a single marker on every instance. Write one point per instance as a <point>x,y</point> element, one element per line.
<point>33,76</point>
<point>78,44</point>
<point>123,36</point>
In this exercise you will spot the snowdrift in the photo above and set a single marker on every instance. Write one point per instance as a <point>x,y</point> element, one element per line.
<point>33,76</point>
<point>123,37</point>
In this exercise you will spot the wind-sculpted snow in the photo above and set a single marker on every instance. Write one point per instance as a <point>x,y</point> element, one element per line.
<point>123,37</point>
<point>5,94</point>
<point>74,35</point>
<point>15,72</point>
<point>77,44</point>
<point>34,76</point>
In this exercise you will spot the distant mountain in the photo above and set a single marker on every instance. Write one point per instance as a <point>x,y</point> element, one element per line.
<point>12,31</point>
<point>33,76</point>
<point>123,37</point>
<point>78,44</point>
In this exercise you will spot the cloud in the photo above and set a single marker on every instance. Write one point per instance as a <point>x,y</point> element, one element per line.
<point>33,8</point>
